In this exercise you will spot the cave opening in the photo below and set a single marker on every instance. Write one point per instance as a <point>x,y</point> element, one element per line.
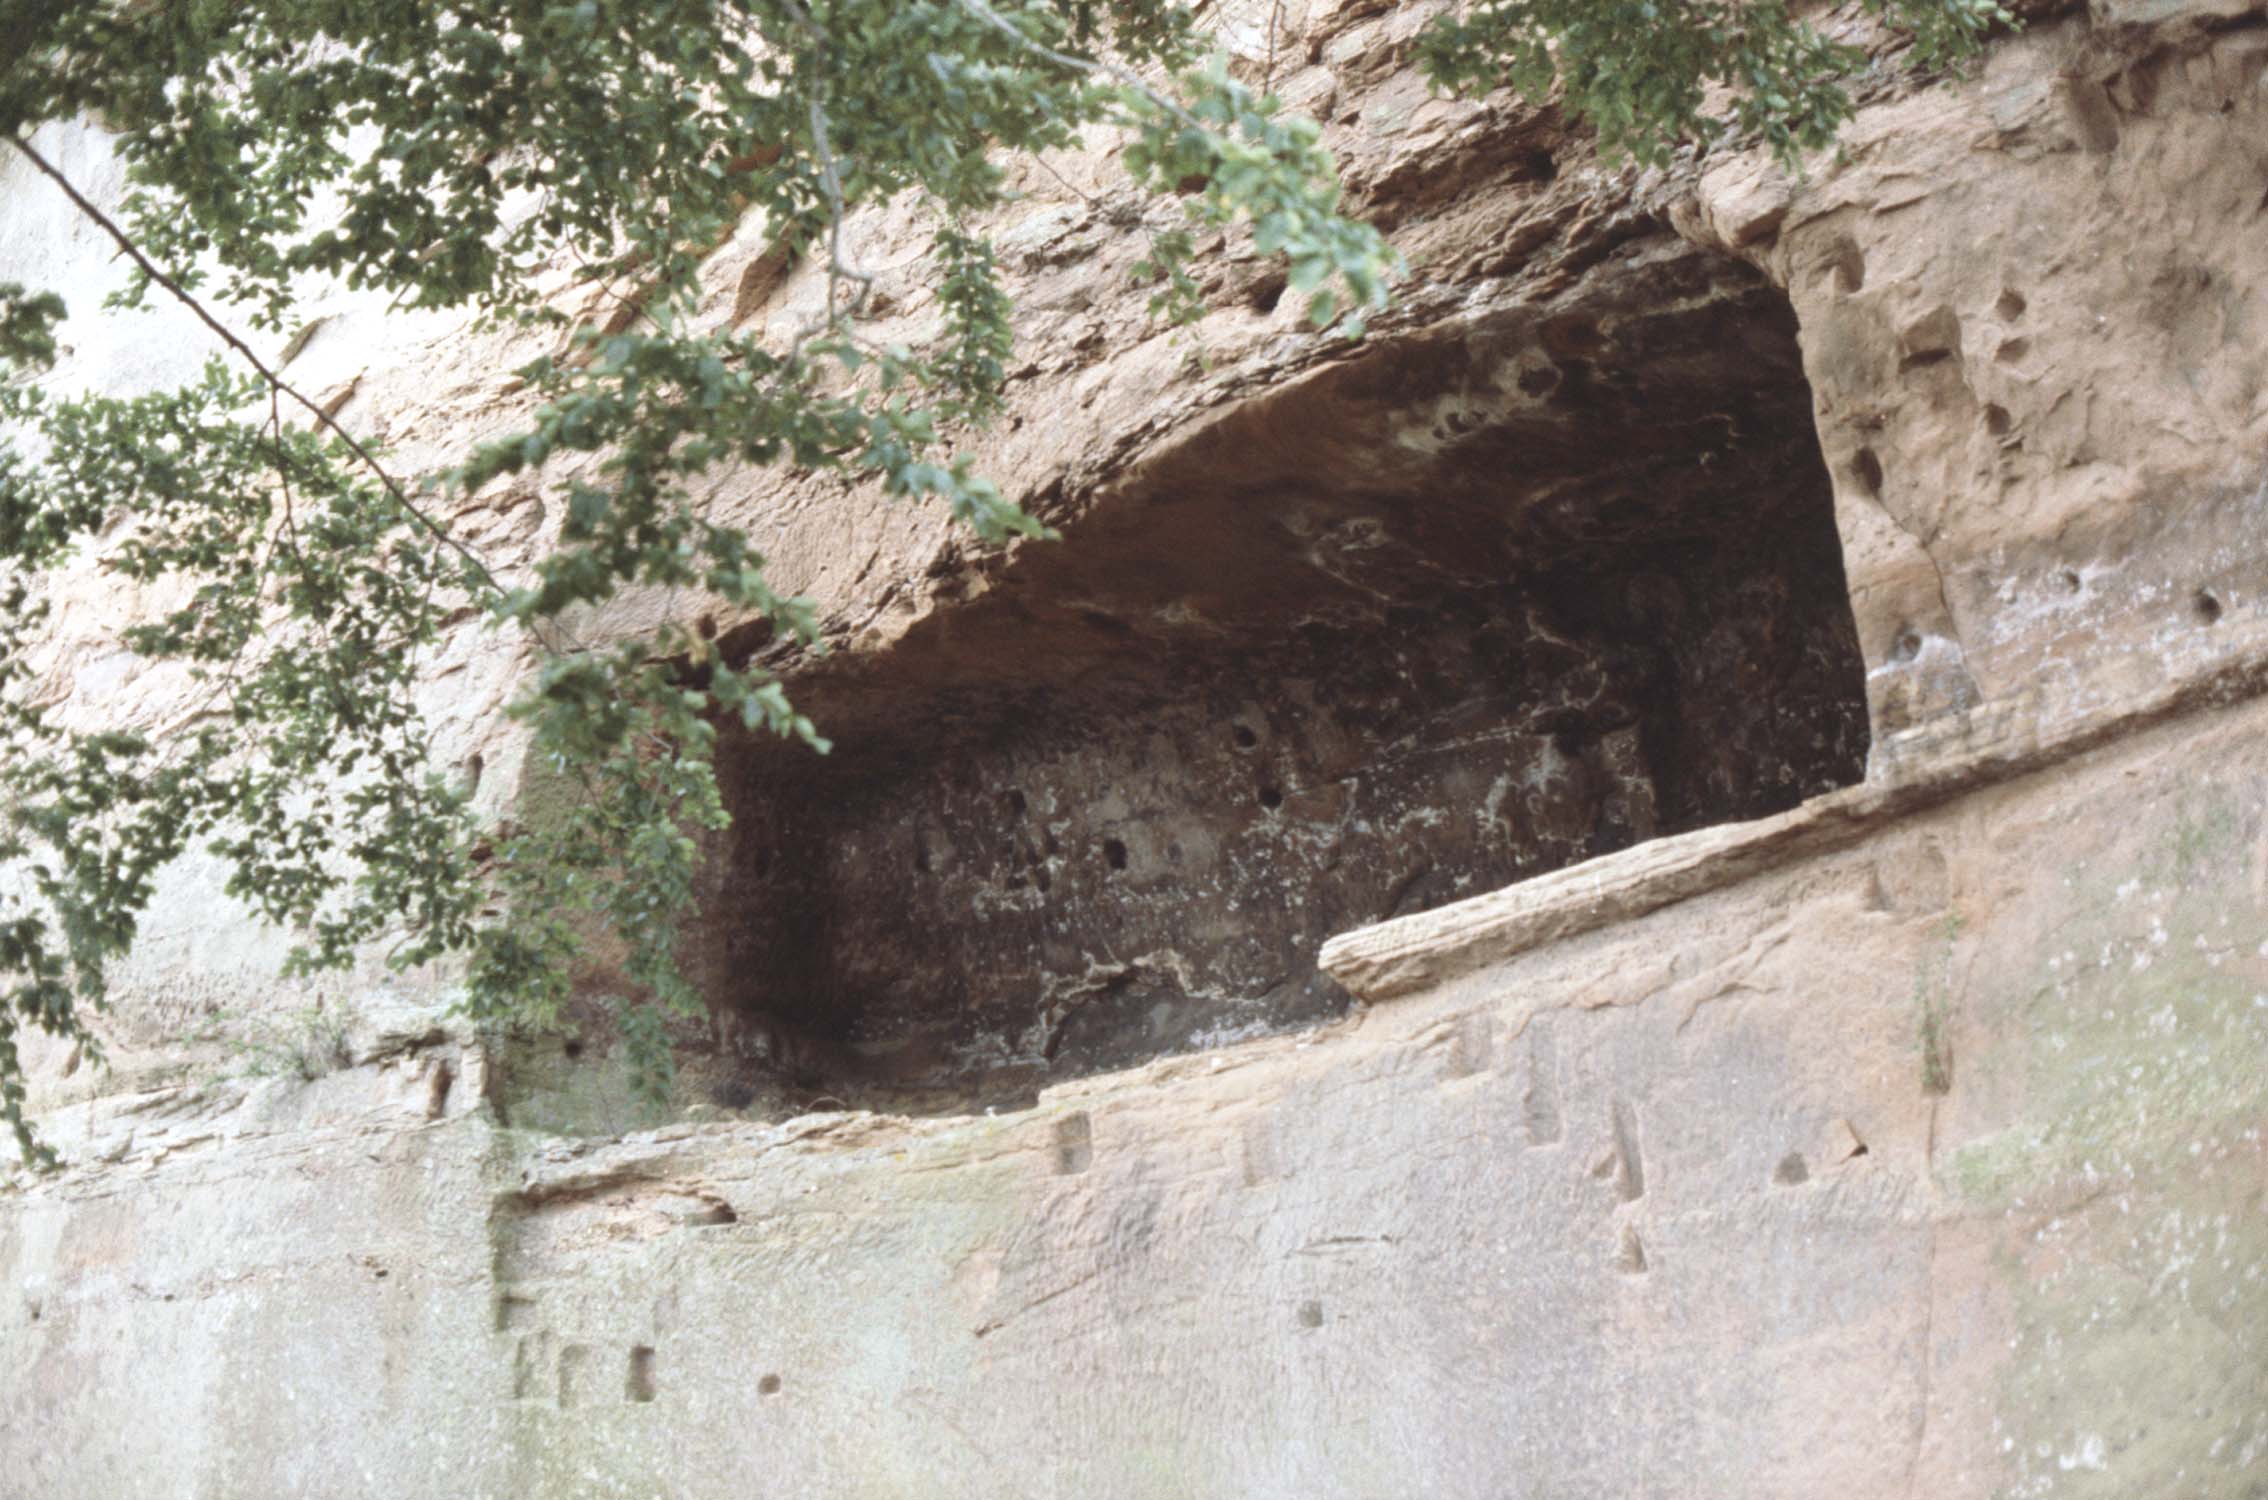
<point>1478,604</point>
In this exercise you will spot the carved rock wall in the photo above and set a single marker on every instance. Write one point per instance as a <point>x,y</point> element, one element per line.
<point>1495,598</point>
<point>1926,1165</point>
<point>1903,1141</point>
<point>2031,311</point>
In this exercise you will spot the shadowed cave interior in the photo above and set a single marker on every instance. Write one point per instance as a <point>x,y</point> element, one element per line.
<point>1473,606</point>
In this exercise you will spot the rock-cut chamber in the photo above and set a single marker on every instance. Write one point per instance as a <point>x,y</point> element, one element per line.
<point>1475,605</point>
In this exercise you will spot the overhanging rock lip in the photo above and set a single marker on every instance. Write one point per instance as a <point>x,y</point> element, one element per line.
<point>1930,763</point>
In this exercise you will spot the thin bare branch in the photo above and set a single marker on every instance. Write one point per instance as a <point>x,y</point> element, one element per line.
<point>1275,19</point>
<point>830,178</point>
<point>1113,71</point>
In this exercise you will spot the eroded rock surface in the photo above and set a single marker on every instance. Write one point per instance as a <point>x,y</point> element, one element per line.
<point>1483,602</point>
<point>2032,322</point>
<point>1906,1142</point>
<point>1930,1165</point>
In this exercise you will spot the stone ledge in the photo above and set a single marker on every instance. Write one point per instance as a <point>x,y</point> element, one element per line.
<point>1930,763</point>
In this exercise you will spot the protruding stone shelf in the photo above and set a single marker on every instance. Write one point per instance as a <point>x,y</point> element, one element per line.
<point>1994,742</point>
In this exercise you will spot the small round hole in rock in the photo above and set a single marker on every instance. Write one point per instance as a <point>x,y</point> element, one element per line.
<point>1997,421</point>
<point>1541,381</point>
<point>2010,306</point>
<point>2070,580</point>
<point>1907,646</point>
<point>1266,295</point>
<point>1311,1315</point>
<point>1271,798</point>
<point>573,1047</point>
<point>2206,607</point>
<point>1868,468</point>
<point>1245,738</point>
<point>1114,851</point>
<point>768,1386</point>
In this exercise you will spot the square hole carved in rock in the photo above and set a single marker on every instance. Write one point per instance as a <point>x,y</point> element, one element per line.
<point>1407,629</point>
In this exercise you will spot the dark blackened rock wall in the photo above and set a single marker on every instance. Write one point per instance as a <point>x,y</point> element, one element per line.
<point>1468,609</point>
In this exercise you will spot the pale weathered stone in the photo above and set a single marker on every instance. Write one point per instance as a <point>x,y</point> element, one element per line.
<point>1907,1141</point>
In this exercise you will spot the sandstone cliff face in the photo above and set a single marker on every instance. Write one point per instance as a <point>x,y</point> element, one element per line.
<point>1904,1138</point>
